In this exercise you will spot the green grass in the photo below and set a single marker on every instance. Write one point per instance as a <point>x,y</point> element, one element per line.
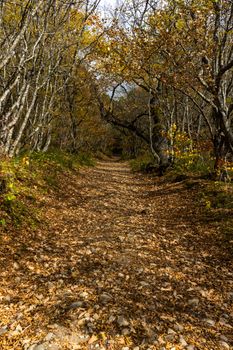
<point>61,159</point>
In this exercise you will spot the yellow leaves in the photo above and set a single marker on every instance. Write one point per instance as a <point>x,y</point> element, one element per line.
<point>180,24</point>
<point>174,127</point>
<point>103,336</point>
<point>25,161</point>
<point>76,21</point>
<point>79,31</point>
<point>12,13</point>
<point>208,204</point>
<point>87,38</point>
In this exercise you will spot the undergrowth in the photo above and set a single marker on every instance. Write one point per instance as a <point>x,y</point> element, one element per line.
<point>143,163</point>
<point>217,199</point>
<point>194,170</point>
<point>24,178</point>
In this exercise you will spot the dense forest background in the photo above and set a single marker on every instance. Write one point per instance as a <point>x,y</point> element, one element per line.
<point>149,77</point>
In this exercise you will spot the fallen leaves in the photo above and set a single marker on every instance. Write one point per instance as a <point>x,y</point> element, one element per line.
<point>113,268</point>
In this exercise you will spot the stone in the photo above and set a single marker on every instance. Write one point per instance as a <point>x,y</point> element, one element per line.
<point>3,330</point>
<point>49,336</point>
<point>105,298</point>
<point>83,295</point>
<point>224,338</point>
<point>76,305</point>
<point>178,327</point>
<point>40,296</point>
<point>16,265</point>
<point>53,347</point>
<point>144,284</point>
<point>209,322</point>
<point>111,319</point>
<point>76,340</point>
<point>193,302</point>
<point>31,347</point>
<point>39,347</point>
<point>183,341</point>
<point>171,331</point>
<point>190,347</point>
<point>125,348</point>
<point>122,322</point>
<point>136,348</point>
<point>140,270</point>
<point>224,345</point>
<point>125,331</point>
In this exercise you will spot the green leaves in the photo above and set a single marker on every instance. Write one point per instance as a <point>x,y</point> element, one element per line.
<point>2,222</point>
<point>9,197</point>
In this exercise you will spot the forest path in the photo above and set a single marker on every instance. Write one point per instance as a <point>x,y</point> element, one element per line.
<point>125,262</point>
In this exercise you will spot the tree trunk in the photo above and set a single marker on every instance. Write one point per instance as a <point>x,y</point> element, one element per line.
<point>223,146</point>
<point>159,142</point>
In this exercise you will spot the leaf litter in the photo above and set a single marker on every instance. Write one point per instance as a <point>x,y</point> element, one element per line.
<point>121,262</point>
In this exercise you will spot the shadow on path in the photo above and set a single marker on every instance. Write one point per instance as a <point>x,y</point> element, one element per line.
<point>126,259</point>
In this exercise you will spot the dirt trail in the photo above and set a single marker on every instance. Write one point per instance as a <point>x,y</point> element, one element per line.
<point>125,262</point>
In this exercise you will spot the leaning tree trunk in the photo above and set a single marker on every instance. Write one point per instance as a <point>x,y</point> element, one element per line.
<point>158,142</point>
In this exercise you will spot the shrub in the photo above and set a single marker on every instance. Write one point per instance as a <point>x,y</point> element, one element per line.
<point>187,155</point>
<point>22,177</point>
<point>144,163</point>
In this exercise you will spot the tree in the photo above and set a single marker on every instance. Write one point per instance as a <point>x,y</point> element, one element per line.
<point>43,44</point>
<point>177,48</point>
